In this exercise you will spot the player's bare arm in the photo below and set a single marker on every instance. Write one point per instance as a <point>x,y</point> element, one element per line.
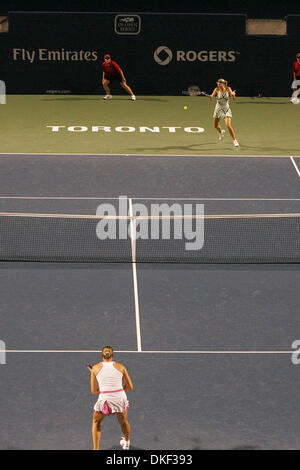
<point>213,93</point>
<point>232,94</point>
<point>128,382</point>
<point>94,384</point>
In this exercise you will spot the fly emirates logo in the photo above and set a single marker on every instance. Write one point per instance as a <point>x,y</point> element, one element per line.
<point>61,55</point>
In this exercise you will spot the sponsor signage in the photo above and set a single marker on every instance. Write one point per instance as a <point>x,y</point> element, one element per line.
<point>48,55</point>
<point>163,55</point>
<point>127,24</point>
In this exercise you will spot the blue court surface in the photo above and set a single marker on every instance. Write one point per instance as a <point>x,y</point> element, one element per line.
<point>209,347</point>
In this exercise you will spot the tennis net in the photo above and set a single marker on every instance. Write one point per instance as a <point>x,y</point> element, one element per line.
<point>228,238</point>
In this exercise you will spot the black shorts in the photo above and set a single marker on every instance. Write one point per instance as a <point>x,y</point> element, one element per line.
<point>111,78</point>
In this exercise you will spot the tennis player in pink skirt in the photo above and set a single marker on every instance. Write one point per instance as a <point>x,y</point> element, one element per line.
<point>107,380</point>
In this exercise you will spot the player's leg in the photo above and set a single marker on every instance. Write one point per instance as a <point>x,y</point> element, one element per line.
<point>125,428</point>
<point>96,429</point>
<point>127,88</point>
<point>217,125</point>
<point>218,128</point>
<point>294,88</point>
<point>295,95</point>
<point>105,84</point>
<point>230,129</point>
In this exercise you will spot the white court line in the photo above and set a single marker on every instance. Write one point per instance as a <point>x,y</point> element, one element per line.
<point>87,198</point>
<point>148,155</point>
<point>150,217</point>
<point>295,165</point>
<point>62,351</point>
<point>134,274</point>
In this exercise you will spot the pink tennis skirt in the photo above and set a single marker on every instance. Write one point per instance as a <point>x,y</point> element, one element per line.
<point>110,403</point>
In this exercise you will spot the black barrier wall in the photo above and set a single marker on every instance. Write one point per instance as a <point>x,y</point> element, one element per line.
<point>160,54</point>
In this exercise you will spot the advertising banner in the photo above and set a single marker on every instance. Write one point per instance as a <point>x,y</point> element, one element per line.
<point>160,54</point>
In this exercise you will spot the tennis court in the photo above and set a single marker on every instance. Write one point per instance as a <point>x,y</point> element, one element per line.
<point>152,125</point>
<point>208,346</point>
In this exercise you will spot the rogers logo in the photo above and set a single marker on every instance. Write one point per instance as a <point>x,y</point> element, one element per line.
<point>163,55</point>
<point>206,56</point>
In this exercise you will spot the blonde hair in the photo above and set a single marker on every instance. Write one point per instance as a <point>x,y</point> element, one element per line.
<point>108,352</point>
<point>223,81</point>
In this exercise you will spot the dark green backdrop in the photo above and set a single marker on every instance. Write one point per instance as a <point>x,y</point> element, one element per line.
<point>201,47</point>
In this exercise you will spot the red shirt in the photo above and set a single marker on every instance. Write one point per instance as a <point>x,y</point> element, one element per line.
<point>111,68</point>
<point>296,68</point>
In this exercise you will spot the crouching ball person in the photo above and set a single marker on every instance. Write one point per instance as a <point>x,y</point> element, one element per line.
<point>111,381</point>
<point>112,71</point>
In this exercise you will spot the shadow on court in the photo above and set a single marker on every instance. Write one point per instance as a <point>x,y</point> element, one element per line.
<point>101,98</point>
<point>285,149</point>
<point>261,150</point>
<point>70,99</point>
<point>188,147</point>
<point>259,102</point>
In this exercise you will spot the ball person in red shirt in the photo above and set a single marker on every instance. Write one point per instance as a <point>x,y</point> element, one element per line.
<point>296,75</point>
<point>112,71</point>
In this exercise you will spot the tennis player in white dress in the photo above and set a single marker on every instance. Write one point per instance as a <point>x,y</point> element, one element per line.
<point>107,380</point>
<point>222,109</point>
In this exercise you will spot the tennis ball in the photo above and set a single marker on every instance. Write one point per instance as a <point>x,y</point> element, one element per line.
<point>184,107</point>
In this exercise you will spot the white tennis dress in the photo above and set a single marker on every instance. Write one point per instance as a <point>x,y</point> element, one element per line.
<point>112,398</point>
<point>222,108</point>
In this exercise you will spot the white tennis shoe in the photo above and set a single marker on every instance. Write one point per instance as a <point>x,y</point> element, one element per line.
<point>133,97</point>
<point>235,143</point>
<point>221,136</point>
<point>107,97</point>
<point>124,444</point>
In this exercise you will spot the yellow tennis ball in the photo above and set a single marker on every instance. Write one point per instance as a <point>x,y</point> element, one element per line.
<point>184,107</point>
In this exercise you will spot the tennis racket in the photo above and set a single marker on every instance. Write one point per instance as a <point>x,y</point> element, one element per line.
<point>194,90</point>
<point>203,93</point>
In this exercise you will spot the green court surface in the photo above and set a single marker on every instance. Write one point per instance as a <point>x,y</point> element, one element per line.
<point>152,125</point>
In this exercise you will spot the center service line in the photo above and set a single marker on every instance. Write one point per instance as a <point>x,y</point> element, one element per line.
<point>134,274</point>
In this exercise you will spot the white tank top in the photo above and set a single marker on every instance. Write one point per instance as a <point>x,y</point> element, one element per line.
<point>109,378</point>
<point>223,99</point>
